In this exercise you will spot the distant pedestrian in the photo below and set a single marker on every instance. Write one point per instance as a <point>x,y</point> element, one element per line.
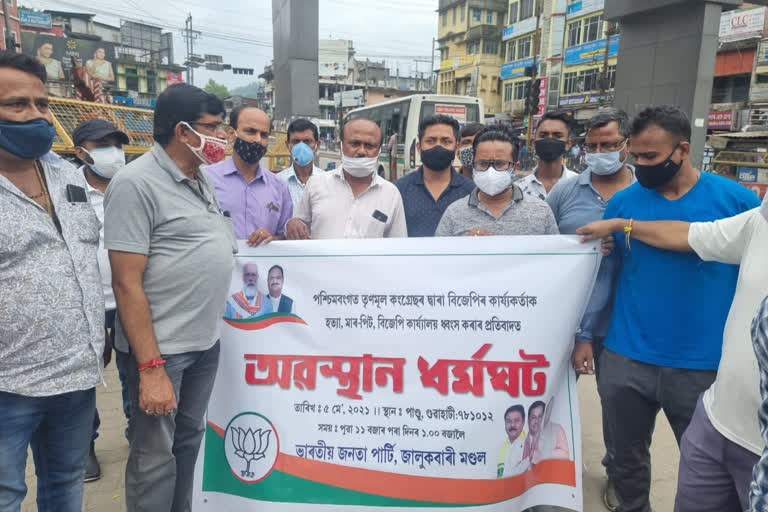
<point>465,150</point>
<point>552,139</point>
<point>302,141</point>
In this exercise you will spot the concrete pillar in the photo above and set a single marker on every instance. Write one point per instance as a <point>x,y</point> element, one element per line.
<point>295,39</point>
<point>667,56</point>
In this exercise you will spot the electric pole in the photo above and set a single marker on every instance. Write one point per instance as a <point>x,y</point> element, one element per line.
<point>611,29</point>
<point>432,87</point>
<point>536,50</point>
<point>10,41</point>
<point>189,38</point>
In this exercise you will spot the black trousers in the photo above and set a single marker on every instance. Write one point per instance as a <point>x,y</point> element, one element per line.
<point>632,393</point>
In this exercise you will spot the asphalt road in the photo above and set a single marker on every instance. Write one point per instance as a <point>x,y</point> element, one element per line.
<point>106,494</point>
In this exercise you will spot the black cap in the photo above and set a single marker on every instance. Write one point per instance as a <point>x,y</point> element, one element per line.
<point>96,129</point>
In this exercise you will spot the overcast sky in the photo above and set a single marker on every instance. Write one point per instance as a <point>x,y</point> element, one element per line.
<point>396,30</point>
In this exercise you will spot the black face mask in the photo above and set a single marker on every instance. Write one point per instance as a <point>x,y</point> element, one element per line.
<point>437,158</point>
<point>250,152</point>
<point>655,176</point>
<point>550,150</point>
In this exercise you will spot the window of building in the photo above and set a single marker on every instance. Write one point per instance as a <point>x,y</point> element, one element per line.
<point>526,9</point>
<point>611,77</point>
<point>472,47</point>
<point>508,89</point>
<point>489,17</point>
<point>444,16</point>
<point>570,81</point>
<point>519,92</point>
<point>524,47</point>
<point>593,29</point>
<point>730,89</point>
<point>574,33</point>
<point>477,14</point>
<point>454,14</point>
<point>513,7</point>
<point>511,50</point>
<point>151,82</point>
<point>463,14</point>
<point>490,47</point>
<point>132,79</point>
<point>589,80</point>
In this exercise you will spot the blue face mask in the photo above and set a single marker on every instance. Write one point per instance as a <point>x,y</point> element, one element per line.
<point>31,139</point>
<point>302,154</point>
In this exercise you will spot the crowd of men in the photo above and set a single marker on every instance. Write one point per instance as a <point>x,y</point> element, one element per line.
<point>140,257</point>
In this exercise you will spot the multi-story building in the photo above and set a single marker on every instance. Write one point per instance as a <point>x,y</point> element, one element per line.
<point>13,16</point>
<point>591,46</point>
<point>469,35</point>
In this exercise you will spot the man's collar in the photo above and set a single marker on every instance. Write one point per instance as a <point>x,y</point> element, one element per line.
<point>455,177</point>
<point>517,196</point>
<point>562,175</point>
<point>376,181</point>
<point>231,168</point>
<point>168,164</point>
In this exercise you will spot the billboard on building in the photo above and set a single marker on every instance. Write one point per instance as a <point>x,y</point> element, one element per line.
<point>333,57</point>
<point>518,29</point>
<point>720,120</point>
<point>515,69</point>
<point>55,53</point>
<point>174,77</point>
<point>746,24</point>
<point>591,52</point>
<point>35,19</point>
<point>582,7</point>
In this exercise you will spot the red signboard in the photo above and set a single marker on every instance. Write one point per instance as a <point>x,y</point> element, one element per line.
<point>720,120</point>
<point>542,97</point>
<point>174,77</point>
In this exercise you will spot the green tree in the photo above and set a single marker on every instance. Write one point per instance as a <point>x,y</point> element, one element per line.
<point>217,89</point>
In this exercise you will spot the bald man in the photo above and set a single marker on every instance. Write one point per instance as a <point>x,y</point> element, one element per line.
<point>248,302</point>
<point>352,201</point>
<point>256,200</point>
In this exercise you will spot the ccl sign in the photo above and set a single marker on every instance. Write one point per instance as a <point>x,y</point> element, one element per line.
<point>736,25</point>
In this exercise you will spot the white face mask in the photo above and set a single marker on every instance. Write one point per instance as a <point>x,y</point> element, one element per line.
<point>359,167</point>
<point>106,161</point>
<point>491,181</point>
<point>604,164</point>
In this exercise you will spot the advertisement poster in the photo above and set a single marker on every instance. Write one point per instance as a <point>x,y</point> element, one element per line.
<point>399,374</point>
<point>55,53</point>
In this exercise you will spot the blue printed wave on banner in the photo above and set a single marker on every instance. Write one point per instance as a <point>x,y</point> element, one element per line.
<point>591,52</point>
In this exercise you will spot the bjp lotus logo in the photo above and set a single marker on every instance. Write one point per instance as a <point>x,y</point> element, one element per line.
<point>250,446</point>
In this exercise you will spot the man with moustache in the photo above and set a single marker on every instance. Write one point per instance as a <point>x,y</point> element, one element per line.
<point>249,302</point>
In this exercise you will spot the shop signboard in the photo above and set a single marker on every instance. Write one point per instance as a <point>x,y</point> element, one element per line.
<point>591,52</point>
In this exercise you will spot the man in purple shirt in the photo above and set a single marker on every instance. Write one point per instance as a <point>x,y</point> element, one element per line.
<point>258,202</point>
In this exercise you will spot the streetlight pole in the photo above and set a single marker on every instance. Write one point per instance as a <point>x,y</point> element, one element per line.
<point>10,41</point>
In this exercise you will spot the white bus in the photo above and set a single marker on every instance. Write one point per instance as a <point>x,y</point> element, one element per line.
<point>402,116</point>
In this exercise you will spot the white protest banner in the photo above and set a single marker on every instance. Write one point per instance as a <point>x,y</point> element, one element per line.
<point>405,374</point>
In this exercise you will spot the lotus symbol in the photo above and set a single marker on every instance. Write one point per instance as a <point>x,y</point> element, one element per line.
<point>250,445</point>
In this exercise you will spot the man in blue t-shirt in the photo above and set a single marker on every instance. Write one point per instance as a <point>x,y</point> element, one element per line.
<point>665,337</point>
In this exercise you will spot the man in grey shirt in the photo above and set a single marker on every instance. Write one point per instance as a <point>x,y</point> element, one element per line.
<point>496,206</point>
<point>171,250</point>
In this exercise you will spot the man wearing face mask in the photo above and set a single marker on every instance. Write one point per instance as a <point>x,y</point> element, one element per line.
<point>665,338</point>
<point>465,152</point>
<point>302,141</point>
<point>428,191</point>
<point>171,249</point>
<point>497,206</point>
<point>51,300</point>
<point>352,201</point>
<point>552,141</point>
<point>578,201</point>
<point>258,202</point>
<point>99,145</point>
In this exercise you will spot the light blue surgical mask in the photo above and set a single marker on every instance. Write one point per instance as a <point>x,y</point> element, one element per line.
<point>301,154</point>
<point>604,164</point>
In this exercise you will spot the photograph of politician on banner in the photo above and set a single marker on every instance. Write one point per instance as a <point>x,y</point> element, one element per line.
<point>531,437</point>
<point>257,300</point>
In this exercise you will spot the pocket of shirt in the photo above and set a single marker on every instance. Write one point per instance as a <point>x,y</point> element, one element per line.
<point>80,220</point>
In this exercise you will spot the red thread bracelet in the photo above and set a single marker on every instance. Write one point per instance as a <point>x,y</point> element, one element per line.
<point>151,364</point>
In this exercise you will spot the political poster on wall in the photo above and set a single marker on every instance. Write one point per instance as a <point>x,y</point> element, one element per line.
<point>55,53</point>
<point>410,374</point>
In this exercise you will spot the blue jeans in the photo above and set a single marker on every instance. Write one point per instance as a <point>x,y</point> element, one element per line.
<point>59,429</point>
<point>161,464</point>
